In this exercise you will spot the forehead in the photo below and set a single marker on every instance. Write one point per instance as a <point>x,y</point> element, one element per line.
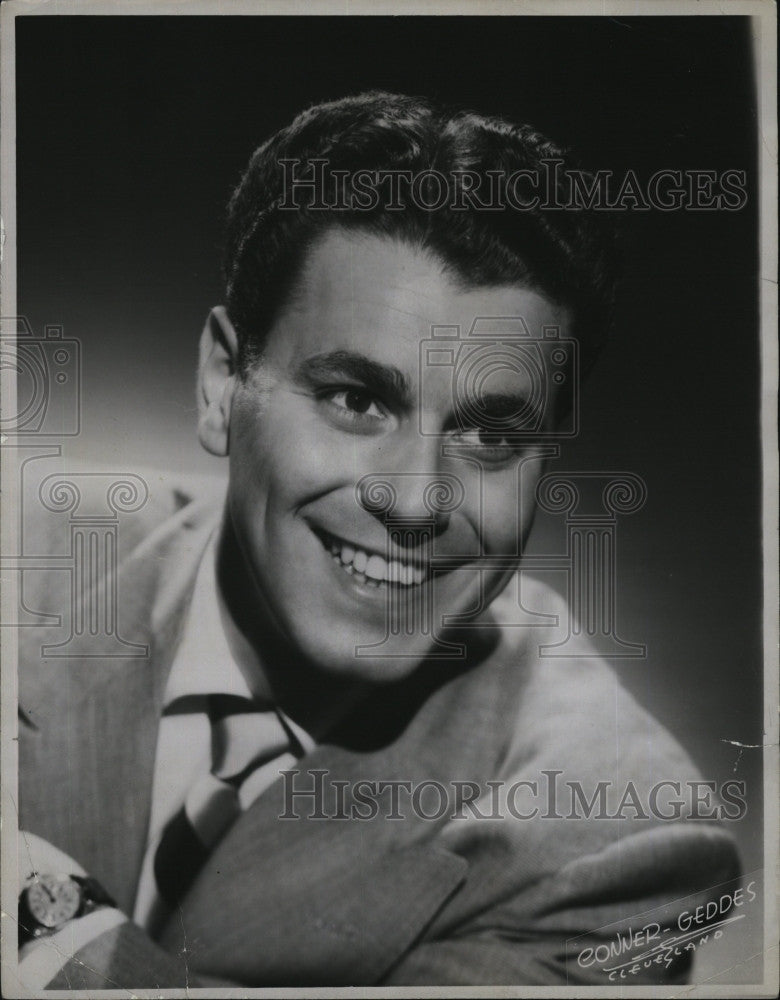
<point>381,297</point>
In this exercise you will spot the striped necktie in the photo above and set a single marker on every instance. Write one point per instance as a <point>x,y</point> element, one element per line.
<point>244,737</point>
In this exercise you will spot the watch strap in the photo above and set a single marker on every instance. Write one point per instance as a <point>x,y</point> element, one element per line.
<point>92,894</point>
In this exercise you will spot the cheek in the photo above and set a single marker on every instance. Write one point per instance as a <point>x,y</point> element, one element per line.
<point>280,452</point>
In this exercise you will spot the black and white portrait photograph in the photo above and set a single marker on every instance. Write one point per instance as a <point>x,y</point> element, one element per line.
<point>389,499</point>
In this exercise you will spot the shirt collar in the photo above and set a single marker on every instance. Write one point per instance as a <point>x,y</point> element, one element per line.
<point>213,656</point>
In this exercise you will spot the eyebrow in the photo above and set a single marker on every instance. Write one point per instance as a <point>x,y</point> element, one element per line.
<point>391,385</point>
<point>502,407</point>
<point>388,382</point>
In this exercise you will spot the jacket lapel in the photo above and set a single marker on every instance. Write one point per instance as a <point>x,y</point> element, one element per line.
<point>303,901</point>
<point>304,891</point>
<point>94,738</point>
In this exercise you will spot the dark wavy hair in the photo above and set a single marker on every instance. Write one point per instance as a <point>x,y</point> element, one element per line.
<point>568,254</point>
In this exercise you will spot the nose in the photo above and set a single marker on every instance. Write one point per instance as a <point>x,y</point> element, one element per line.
<point>411,504</point>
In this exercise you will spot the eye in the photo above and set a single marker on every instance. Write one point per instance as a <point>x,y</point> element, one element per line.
<point>355,405</point>
<point>491,446</point>
<point>357,401</point>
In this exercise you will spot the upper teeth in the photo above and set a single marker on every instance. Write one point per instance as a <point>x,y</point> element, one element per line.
<point>374,566</point>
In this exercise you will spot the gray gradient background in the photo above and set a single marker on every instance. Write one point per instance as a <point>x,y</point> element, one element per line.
<point>132,131</point>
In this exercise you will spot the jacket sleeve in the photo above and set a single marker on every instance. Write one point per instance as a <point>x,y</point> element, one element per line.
<point>622,902</point>
<point>126,958</point>
<point>603,919</point>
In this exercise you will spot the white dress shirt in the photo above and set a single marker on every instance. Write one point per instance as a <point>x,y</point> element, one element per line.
<point>213,657</point>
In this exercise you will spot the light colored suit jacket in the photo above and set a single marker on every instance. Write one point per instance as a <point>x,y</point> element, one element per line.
<point>359,902</point>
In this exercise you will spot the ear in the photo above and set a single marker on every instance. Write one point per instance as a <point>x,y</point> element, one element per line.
<point>216,381</point>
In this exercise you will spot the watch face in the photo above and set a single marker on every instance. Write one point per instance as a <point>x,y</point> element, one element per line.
<point>53,899</point>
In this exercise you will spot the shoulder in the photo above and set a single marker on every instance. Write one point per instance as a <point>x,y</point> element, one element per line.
<point>100,543</point>
<point>133,504</point>
<point>585,784</point>
<point>572,710</point>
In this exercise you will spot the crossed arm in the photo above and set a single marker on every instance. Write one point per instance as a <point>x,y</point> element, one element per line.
<point>530,938</point>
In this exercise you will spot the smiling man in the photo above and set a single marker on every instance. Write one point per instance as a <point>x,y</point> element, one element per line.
<point>335,399</point>
<point>339,764</point>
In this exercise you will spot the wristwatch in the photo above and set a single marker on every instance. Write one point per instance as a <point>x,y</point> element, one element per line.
<point>48,902</point>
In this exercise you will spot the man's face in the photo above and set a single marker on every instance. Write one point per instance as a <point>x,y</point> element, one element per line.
<point>339,396</point>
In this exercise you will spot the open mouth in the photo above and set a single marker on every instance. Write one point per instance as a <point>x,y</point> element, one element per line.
<point>369,568</point>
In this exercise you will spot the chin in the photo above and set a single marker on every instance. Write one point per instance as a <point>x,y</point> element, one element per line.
<point>373,660</point>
